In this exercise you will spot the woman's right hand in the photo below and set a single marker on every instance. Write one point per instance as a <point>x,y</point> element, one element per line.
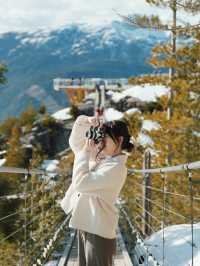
<point>94,120</point>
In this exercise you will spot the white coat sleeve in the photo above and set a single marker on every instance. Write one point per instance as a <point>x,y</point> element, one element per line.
<point>107,176</point>
<point>77,136</point>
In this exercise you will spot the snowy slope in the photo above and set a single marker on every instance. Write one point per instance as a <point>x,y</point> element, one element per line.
<point>144,93</point>
<point>62,114</point>
<point>178,248</point>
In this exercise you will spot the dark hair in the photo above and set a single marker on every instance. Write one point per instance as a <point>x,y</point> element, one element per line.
<point>116,129</point>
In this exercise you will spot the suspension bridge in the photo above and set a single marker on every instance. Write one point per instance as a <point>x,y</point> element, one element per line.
<point>159,224</point>
<point>38,251</point>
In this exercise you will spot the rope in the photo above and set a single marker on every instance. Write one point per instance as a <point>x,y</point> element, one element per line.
<point>50,243</point>
<point>168,192</point>
<point>24,225</point>
<point>13,233</point>
<point>18,212</point>
<point>169,210</point>
<point>147,223</point>
<point>180,167</point>
<point>42,238</point>
<point>24,210</point>
<point>141,239</point>
<point>137,233</point>
<point>148,212</point>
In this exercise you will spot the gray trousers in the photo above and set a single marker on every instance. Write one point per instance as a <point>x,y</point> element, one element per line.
<point>94,250</point>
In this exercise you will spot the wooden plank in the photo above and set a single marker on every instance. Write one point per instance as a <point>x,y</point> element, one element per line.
<point>127,259</point>
<point>120,259</point>
<point>63,260</point>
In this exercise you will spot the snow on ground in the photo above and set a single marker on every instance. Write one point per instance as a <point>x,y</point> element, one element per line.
<point>35,37</point>
<point>150,125</point>
<point>3,152</point>
<point>145,93</point>
<point>51,166</point>
<point>51,263</point>
<point>144,139</point>
<point>132,110</point>
<point>178,247</point>
<point>62,114</point>
<point>112,114</point>
<point>2,161</point>
<point>196,133</point>
<point>91,95</point>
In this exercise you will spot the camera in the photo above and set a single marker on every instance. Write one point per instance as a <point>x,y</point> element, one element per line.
<point>95,133</point>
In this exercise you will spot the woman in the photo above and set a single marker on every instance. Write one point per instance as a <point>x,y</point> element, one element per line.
<point>99,173</point>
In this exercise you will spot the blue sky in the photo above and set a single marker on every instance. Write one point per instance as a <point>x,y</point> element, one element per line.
<point>28,15</point>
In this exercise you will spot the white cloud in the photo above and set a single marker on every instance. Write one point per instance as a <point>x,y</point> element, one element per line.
<point>22,15</point>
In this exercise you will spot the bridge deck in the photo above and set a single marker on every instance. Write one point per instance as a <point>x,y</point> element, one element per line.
<point>120,259</point>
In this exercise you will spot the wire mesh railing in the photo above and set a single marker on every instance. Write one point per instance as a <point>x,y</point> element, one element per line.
<point>155,210</point>
<point>167,203</point>
<point>37,218</point>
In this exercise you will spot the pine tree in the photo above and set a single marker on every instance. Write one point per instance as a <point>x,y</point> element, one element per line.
<point>183,127</point>
<point>177,140</point>
<point>28,116</point>
<point>154,22</point>
<point>3,69</point>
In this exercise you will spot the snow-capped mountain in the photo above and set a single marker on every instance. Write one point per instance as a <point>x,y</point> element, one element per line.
<point>35,58</point>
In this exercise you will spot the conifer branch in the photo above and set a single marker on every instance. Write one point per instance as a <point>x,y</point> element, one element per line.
<point>190,6</point>
<point>3,69</point>
<point>154,23</point>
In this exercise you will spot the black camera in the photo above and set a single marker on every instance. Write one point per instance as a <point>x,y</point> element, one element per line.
<point>95,133</point>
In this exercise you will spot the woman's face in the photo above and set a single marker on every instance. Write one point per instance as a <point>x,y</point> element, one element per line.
<point>111,147</point>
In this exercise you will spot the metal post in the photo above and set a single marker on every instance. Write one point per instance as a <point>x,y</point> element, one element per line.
<point>25,215</point>
<point>54,193</point>
<point>163,220</point>
<point>191,214</point>
<point>41,205</point>
<point>147,194</point>
<point>32,195</point>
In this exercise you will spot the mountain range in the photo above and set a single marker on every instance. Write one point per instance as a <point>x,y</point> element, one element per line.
<point>34,59</point>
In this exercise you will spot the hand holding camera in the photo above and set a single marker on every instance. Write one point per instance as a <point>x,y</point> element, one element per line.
<point>95,134</point>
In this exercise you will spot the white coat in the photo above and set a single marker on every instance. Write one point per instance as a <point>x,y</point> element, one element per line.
<point>95,187</point>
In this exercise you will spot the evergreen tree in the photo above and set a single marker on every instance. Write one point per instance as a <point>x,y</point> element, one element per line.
<point>28,116</point>
<point>3,69</point>
<point>42,110</point>
<point>177,139</point>
<point>155,22</point>
<point>7,125</point>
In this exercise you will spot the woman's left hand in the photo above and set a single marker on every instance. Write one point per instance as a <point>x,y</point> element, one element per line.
<point>89,145</point>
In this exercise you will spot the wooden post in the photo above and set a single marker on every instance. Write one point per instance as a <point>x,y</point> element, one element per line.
<point>147,195</point>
